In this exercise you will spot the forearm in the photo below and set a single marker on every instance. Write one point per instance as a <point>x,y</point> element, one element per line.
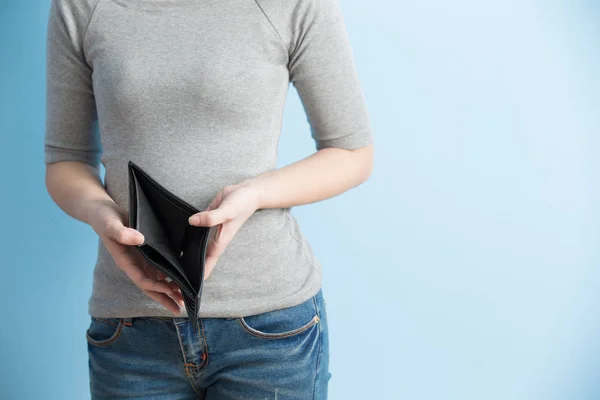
<point>325,174</point>
<point>76,188</point>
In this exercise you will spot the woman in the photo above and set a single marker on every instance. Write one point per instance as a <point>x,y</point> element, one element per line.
<point>193,92</point>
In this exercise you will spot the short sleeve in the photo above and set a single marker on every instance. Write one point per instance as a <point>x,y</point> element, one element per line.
<point>71,119</point>
<point>322,69</point>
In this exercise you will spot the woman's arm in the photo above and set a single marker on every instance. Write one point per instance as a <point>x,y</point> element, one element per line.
<point>77,189</point>
<point>321,68</point>
<point>73,150</point>
<point>325,174</point>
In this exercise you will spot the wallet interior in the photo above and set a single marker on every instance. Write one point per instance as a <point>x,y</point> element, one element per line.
<point>171,244</point>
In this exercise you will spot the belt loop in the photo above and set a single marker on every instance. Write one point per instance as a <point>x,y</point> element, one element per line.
<point>128,321</point>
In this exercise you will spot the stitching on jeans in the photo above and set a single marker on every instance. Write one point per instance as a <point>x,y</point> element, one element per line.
<point>194,387</point>
<point>195,368</point>
<point>108,341</point>
<point>264,335</point>
<point>204,345</point>
<point>189,368</point>
<point>314,299</point>
<point>181,345</point>
<point>318,354</point>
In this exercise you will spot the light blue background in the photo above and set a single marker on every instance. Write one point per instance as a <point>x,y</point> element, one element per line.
<point>465,268</point>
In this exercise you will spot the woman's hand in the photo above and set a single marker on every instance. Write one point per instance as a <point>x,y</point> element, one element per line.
<point>107,220</point>
<point>231,207</point>
<point>322,175</point>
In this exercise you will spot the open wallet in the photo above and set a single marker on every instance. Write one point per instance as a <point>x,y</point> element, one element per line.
<point>171,244</point>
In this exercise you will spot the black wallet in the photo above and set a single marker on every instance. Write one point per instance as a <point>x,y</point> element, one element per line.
<point>171,244</point>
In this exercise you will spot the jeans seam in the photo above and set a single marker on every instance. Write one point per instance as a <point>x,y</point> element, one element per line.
<point>204,346</point>
<point>197,368</point>
<point>283,335</point>
<point>108,341</point>
<point>186,364</point>
<point>320,333</point>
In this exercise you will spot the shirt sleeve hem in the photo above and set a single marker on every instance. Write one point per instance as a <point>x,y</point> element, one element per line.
<point>348,142</point>
<point>55,154</point>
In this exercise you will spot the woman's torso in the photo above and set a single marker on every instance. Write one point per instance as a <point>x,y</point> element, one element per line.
<point>193,92</point>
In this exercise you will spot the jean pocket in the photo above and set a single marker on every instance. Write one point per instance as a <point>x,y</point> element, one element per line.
<point>283,323</point>
<point>104,331</point>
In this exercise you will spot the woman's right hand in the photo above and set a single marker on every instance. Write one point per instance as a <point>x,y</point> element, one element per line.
<point>108,221</point>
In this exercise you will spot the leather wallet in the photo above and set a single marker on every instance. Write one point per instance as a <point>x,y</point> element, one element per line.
<point>171,244</point>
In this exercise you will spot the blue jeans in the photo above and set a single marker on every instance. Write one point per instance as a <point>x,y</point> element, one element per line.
<point>282,354</point>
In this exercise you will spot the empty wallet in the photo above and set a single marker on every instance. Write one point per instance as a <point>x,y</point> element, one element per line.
<point>171,244</point>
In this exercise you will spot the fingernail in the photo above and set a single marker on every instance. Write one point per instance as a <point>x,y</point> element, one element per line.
<point>193,219</point>
<point>135,235</point>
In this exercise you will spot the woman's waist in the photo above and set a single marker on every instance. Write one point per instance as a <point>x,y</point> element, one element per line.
<point>268,237</point>
<point>254,261</point>
<point>196,184</point>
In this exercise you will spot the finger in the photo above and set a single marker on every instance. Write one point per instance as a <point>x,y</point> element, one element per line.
<point>156,275</point>
<point>122,255</point>
<point>160,275</point>
<point>165,300</point>
<point>210,218</point>
<point>174,286</point>
<point>178,297</point>
<point>127,261</point>
<point>217,213</point>
<point>115,229</point>
<point>147,283</point>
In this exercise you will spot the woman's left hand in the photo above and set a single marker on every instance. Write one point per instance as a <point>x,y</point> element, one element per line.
<point>231,207</point>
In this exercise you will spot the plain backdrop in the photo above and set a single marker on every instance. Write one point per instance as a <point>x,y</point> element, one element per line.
<point>466,268</point>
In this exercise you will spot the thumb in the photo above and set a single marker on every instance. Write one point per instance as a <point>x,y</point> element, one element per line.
<point>122,234</point>
<point>210,217</point>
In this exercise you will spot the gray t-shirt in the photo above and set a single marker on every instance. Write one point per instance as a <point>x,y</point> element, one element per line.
<point>193,91</point>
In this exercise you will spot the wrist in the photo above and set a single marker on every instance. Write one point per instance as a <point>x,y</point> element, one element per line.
<point>255,193</point>
<point>93,210</point>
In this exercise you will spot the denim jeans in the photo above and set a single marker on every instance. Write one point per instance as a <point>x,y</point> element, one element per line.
<point>282,354</point>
